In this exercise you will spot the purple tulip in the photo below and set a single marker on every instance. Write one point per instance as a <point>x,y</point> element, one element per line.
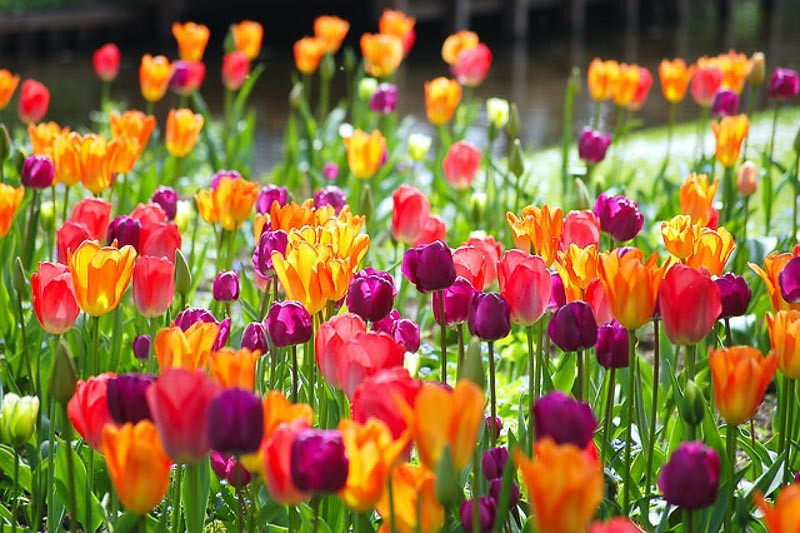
<point>384,99</point>
<point>190,315</point>
<point>611,348</point>
<point>619,216</point>
<point>288,323</point>
<point>558,295</point>
<point>592,145</point>
<point>488,509</point>
<point>797,477</point>
<point>330,195</point>
<point>496,487</point>
<point>690,478</point>
<point>489,316</point>
<point>330,171</point>
<point>371,294</point>
<point>270,241</point>
<point>227,468</point>
<point>224,333</point>
<point>226,286</point>
<point>789,281</point>
<point>573,327</point>
<point>404,330</point>
<point>269,195</point>
<point>494,462</point>
<point>457,298</point>
<point>254,337</point>
<point>233,174</point>
<point>430,267</point>
<point>724,103</point>
<point>141,347</point>
<point>37,172</point>
<point>318,461</point>
<point>784,84</point>
<point>167,198</point>
<point>125,230</point>
<point>563,419</point>
<point>235,422</point>
<point>126,399</point>
<point>734,294</point>
<point>494,427</point>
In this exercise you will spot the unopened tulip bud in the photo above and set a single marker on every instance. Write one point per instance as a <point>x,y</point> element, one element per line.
<point>47,214</point>
<point>5,143</point>
<point>747,179</point>
<point>17,418</point>
<point>226,286</point>
<point>418,146</point>
<point>63,376</point>
<point>366,203</point>
<point>141,347</point>
<point>20,279</point>
<point>448,487</point>
<point>512,127</point>
<point>183,215</point>
<point>183,275</point>
<point>327,67</point>
<point>366,88</point>
<point>497,111</point>
<point>516,160</point>
<point>472,369</point>
<point>692,404</point>
<point>494,462</point>
<point>37,172</point>
<point>758,70</point>
<point>296,95</point>
<point>487,510</point>
<point>350,60</point>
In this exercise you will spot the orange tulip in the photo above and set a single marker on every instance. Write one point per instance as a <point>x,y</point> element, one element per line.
<point>308,52</point>
<point>773,265</point>
<point>137,465</point>
<point>190,349</point>
<point>679,235</point>
<point>234,368</point>
<point>631,285</point>
<point>8,84</point>
<point>192,40</point>
<point>740,375</point>
<point>577,268</point>
<point>602,79</point>
<point>183,131</point>
<point>365,152</point>
<point>229,204</point>
<point>675,77</point>
<point>98,158</point>
<point>712,249</point>
<point>565,485</point>
<point>457,43</point>
<point>398,24</point>
<point>134,124</point>
<point>784,516</point>
<point>697,198</point>
<point>100,276</point>
<point>382,53</point>
<point>735,69</point>
<point>442,97</point>
<point>415,505</point>
<point>10,198</point>
<point>784,336</point>
<point>43,136</point>
<point>730,132</point>
<point>247,36</point>
<point>332,30</point>
<point>627,84</point>
<point>67,158</point>
<point>537,229</point>
<point>154,75</point>
<point>372,452</point>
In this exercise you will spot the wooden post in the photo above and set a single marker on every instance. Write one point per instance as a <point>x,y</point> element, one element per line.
<point>517,18</point>
<point>459,10</point>
<point>578,15</point>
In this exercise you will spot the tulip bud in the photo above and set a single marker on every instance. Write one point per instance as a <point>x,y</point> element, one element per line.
<point>784,84</point>
<point>327,67</point>
<point>497,111</point>
<point>288,323</point>
<point>19,157</point>
<point>593,145</point>
<point>17,418</point>
<point>37,172</point>
<point>489,316</point>
<point>183,275</point>
<point>691,406</point>
<point>758,70</point>
<point>5,143</point>
<point>494,426</point>
<point>63,376</point>
<point>747,179</point>
<point>573,327</point>
<point>296,95</point>
<point>472,368</point>
<point>690,479</point>
<point>20,279</point>
<point>167,198</point>
<point>612,346</point>
<point>512,127</point>
<point>47,214</point>
<point>235,422</point>
<point>330,171</point>
<point>496,488</point>
<point>418,146</point>
<point>366,203</point>
<point>350,60</point>
<point>183,215</point>
<point>366,88</point>
<point>226,286</point>
<point>384,99</point>
<point>487,510</point>
<point>734,294</point>
<point>516,160</point>
<point>796,144</point>
<point>125,231</point>
<point>318,461</point>
<point>494,462</point>
<point>724,103</point>
<point>126,398</point>
<point>141,347</point>
<point>563,419</point>
<point>583,199</point>
<point>371,294</point>
<point>254,337</point>
<point>448,488</point>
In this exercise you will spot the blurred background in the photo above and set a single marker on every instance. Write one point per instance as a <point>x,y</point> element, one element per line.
<point>535,44</point>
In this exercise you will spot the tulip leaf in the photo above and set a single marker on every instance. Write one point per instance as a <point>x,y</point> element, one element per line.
<point>80,485</point>
<point>564,376</point>
<point>7,466</point>
<point>194,497</point>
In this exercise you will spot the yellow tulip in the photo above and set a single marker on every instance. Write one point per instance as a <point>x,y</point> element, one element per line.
<point>100,276</point>
<point>190,349</point>
<point>365,152</point>
<point>183,131</point>
<point>416,508</point>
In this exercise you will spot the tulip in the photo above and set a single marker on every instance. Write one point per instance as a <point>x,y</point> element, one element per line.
<point>784,84</point>
<point>472,65</point>
<point>404,331</point>
<point>124,231</point>
<point>494,425</point>
<point>330,171</point>
<point>318,461</point>
<point>192,40</point>
<point>578,269</point>
<point>565,486</point>
<point>725,103</point>
<point>429,267</point>
<point>592,145</point>
<point>487,510</point>
<point>132,124</point>
<point>254,337</point>
<point>37,172</point>
<point>137,465</point>
<point>378,396</point>
<point>690,303</point>
<point>645,82</point>
<point>418,146</point>
<point>43,137</point>
<point>308,52</point>
<point>573,327</point>
<point>183,131</point>
<point>153,285</point>
<point>789,281</point>
<point>631,286</point>
<point>100,276</point>
<point>747,179</point>
<point>332,30</point>
<point>410,211</point>
<point>784,336</point>
<point>270,241</point>
<point>371,294</point>
<point>154,75</point>
<point>740,376</point>
<point>167,199</point>
<point>602,77</point>
<point>442,97</point>
<point>734,293</point>
<point>229,468</point>
<point>126,398</point>
<point>179,402</point>
<point>618,524</point>
<point>8,84</point>
<point>472,264</point>
<point>187,77</point>
<point>382,53</point>
<point>366,88</point>
<point>461,164</point>
<point>189,349</point>
<point>697,197</point>
<point>558,296</point>
<point>288,323</point>
<point>712,249</point>
<point>612,346</point>
<point>34,99</point>
<point>435,229</point>
<point>526,285</point>
<point>226,286</point>
<point>497,112</point>
<point>415,506</point>
<point>235,368</point>
<point>330,195</point>
<point>235,422</point>
<point>53,298</point>
<point>774,264</point>
<point>229,203</point>
<point>270,194</point>
<point>384,99</point>
<point>730,132</point>
<point>496,488</point>
<point>581,228</point>
<point>141,347</point>
<point>10,199</point>
<point>626,85</point>
<point>489,316</point>
<point>494,462</point>
<point>705,84</point>
<point>17,419</point>
<point>783,515</point>
<point>365,152</point>
<point>563,419</point>
<point>88,408</point>
<point>690,479</point>
<point>457,43</point>
<point>757,69</point>
<point>457,298</point>
<point>398,24</point>
<point>675,77</point>
<point>235,70</point>
<point>538,230</point>
<point>247,36</point>
<point>619,216</point>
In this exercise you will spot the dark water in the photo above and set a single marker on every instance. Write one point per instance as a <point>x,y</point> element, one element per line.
<point>533,73</point>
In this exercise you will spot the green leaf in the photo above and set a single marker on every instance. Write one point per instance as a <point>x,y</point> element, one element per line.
<point>194,495</point>
<point>7,466</point>
<point>62,485</point>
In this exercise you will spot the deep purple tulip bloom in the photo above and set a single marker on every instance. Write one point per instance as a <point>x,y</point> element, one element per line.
<point>494,462</point>
<point>224,333</point>
<point>384,99</point>
<point>233,174</point>
<point>235,422</point>
<point>784,84</point>
<point>789,281</point>
<point>690,478</point>
<point>254,337</point>
<point>330,171</point>
<point>227,468</point>
<point>489,316</point>
<point>430,267</point>
<point>371,294</point>
<point>563,419</point>
<point>288,323</point>
<point>494,427</point>
<point>141,347</point>
<point>167,198</point>
<point>125,230</point>
<point>496,487</point>
<point>488,509</point>
<point>724,103</point>
<point>592,145</point>
<point>734,294</point>
<point>270,241</point>
<point>37,172</point>
<point>404,330</point>
<point>573,327</point>
<point>619,216</point>
<point>457,298</point>
<point>270,194</point>
<point>558,296</point>
<point>226,286</point>
<point>612,346</point>
<point>126,399</point>
<point>318,461</point>
<point>330,195</point>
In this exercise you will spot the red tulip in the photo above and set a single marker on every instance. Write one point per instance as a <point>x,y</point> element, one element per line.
<point>70,235</point>
<point>235,69</point>
<point>472,65</point>
<point>160,240</point>
<point>153,285</point>
<point>53,298</point>
<point>34,99</point>
<point>492,250</point>
<point>596,297</point>
<point>705,83</point>
<point>106,62</point>
<point>471,264</point>
<point>690,304</point>
<point>379,395</point>
<point>435,229</point>
<point>461,164</point>
<point>88,408</point>
<point>277,463</point>
<point>525,284</point>
<point>581,228</point>
<point>95,214</point>
<point>642,89</point>
<point>149,214</point>
<point>410,213</point>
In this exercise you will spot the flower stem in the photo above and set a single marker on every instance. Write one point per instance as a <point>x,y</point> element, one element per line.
<point>789,426</point>
<point>391,503</point>
<point>493,395</point>
<point>67,434</point>
<point>626,495</point>
<point>443,337</point>
<point>176,499</point>
<point>460,331</point>
<point>768,173</point>
<point>476,507</point>
<point>654,406</point>
<point>24,341</point>
<point>295,371</point>
<point>579,394</point>
<point>730,447</point>
<point>15,491</point>
<point>531,385</point>
<point>607,418</point>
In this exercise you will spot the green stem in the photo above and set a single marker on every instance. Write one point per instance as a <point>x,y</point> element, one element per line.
<point>24,340</point>
<point>702,122</point>
<point>176,499</point>
<point>730,447</point>
<point>654,405</point>
<point>51,232</point>
<point>492,396</point>
<point>796,190</point>
<point>315,507</point>
<point>443,338</point>
<point>729,194</point>
<point>768,173</point>
<point>460,331</point>
<point>94,356</point>
<point>689,521</point>
<point>295,372</point>
<point>89,489</point>
<point>626,496</point>
<point>784,398</point>
<point>608,415</point>
<point>476,508</point>
<point>151,354</point>
<point>67,433</point>
<point>15,492</point>
<point>789,427</point>
<point>691,355</point>
<point>65,205</point>
<point>579,394</point>
<point>531,384</point>
<point>30,235</point>
<point>670,128</point>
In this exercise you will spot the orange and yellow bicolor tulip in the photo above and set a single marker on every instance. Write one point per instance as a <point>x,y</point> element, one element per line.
<point>537,230</point>
<point>631,285</point>
<point>675,77</point>
<point>154,75</point>
<point>183,131</point>
<point>332,30</point>
<point>229,204</point>
<point>234,368</point>
<point>398,24</point>
<point>99,160</point>
<point>100,276</point>
<point>678,234</point>
<point>67,158</point>
<point>372,452</point>
<point>341,236</point>
<point>365,152</point>
<point>190,349</point>
<point>740,375</point>
<point>247,36</point>
<point>457,43</point>
<point>137,465</point>
<point>784,337</point>
<point>784,516</point>
<point>578,268</point>
<point>308,52</point>
<point>602,79</point>
<point>442,96</point>
<point>416,508</point>
<point>729,133</point>
<point>774,263</point>
<point>712,249</point>
<point>697,198</point>
<point>192,40</point>
<point>43,136</point>
<point>287,217</point>
<point>565,485</point>
<point>626,85</point>
<point>134,124</point>
<point>8,84</point>
<point>10,198</point>
<point>735,68</point>
<point>382,53</point>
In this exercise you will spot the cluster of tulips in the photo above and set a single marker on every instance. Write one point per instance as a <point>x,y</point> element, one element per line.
<point>261,375</point>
